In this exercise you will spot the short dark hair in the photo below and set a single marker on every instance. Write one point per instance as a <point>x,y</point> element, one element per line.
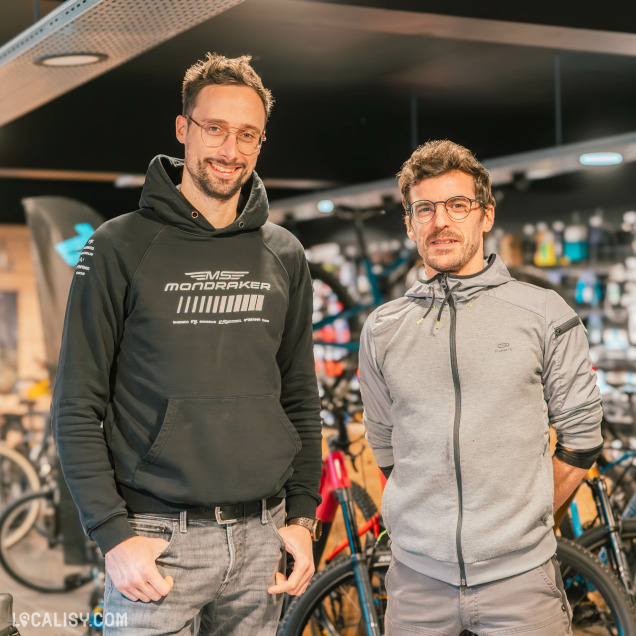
<point>438,157</point>
<point>217,69</point>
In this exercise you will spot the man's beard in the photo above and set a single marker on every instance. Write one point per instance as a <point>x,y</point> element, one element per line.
<point>445,263</point>
<point>218,189</point>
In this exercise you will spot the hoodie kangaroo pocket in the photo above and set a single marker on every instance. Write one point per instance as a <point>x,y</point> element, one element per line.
<point>219,450</point>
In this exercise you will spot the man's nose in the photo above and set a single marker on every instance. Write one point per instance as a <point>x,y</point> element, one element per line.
<point>229,148</point>
<point>440,218</point>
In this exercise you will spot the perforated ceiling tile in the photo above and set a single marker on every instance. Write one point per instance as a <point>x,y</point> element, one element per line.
<point>122,29</point>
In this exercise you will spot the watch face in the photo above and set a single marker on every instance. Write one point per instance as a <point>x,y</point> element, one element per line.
<point>317,529</point>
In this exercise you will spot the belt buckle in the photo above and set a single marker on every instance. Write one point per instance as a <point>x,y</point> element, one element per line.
<point>222,522</point>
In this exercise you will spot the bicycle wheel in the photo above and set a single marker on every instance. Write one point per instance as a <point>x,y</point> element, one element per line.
<point>37,559</point>
<point>330,605</point>
<point>17,477</point>
<point>599,602</point>
<point>597,540</point>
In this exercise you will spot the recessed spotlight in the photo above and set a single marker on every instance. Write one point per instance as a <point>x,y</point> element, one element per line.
<point>601,158</point>
<point>325,206</point>
<point>71,59</point>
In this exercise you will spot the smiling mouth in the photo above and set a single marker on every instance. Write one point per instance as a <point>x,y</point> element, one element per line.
<point>226,171</point>
<point>443,242</point>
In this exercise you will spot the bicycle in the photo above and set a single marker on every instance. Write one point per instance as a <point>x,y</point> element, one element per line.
<point>358,569</point>
<point>331,605</point>
<point>335,484</point>
<point>338,315</point>
<point>17,477</point>
<point>614,539</point>
<point>47,558</point>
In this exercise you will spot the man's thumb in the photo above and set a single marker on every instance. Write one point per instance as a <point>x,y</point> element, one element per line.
<point>169,580</point>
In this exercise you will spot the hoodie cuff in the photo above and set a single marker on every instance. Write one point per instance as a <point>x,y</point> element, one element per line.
<point>301,506</point>
<point>112,532</point>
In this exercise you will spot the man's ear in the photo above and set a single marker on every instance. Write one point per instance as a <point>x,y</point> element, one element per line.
<point>181,127</point>
<point>489,217</point>
<point>409,229</point>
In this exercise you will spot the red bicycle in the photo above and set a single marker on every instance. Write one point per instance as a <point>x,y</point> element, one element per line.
<point>348,596</point>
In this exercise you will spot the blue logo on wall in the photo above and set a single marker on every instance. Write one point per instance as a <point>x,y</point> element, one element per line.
<point>70,249</point>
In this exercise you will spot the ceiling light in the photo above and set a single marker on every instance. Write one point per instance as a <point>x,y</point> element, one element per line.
<point>325,206</point>
<point>71,59</point>
<point>601,158</point>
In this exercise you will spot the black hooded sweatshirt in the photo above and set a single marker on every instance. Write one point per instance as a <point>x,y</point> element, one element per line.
<point>186,375</point>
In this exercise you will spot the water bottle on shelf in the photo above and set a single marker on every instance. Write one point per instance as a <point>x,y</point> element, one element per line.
<point>575,240</point>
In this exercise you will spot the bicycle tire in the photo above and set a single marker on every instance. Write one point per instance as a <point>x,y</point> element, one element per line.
<point>597,598</point>
<point>17,477</point>
<point>596,539</point>
<point>336,581</point>
<point>363,501</point>
<point>37,559</point>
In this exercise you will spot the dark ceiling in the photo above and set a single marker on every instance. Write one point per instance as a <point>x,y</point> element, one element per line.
<point>346,79</point>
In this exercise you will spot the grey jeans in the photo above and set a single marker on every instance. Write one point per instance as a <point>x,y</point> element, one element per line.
<point>221,574</point>
<point>532,603</point>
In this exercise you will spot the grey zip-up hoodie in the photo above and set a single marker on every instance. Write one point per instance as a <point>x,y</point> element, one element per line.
<point>460,380</point>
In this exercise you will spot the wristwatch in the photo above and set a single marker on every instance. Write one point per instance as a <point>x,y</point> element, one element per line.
<point>313,525</point>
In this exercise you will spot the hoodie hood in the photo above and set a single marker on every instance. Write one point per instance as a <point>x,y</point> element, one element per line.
<point>160,193</point>
<point>464,288</point>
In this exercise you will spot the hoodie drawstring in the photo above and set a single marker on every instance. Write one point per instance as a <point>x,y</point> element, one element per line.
<point>429,309</point>
<point>448,293</point>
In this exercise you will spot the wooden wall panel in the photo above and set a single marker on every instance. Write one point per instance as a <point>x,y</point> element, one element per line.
<point>17,274</point>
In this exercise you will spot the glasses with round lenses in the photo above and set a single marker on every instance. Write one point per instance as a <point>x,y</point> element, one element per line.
<point>248,141</point>
<point>457,208</point>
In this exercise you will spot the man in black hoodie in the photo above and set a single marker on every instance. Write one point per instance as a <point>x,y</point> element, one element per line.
<point>186,408</point>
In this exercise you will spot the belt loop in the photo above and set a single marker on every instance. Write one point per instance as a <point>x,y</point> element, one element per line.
<point>264,512</point>
<point>183,522</point>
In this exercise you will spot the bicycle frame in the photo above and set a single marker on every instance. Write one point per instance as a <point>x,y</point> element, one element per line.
<point>377,279</point>
<point>616,554</point>
<point>335,490</point>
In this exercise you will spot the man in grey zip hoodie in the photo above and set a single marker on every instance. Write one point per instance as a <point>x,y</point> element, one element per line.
<point>461,380</point>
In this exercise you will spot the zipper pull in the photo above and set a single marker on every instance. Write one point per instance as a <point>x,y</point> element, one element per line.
<point>463,582</point>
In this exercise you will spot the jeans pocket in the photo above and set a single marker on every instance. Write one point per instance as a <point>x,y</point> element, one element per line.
<point>389,571</point>
<point>154,527</point>
<point>276,517</point>
<point>547,572</point>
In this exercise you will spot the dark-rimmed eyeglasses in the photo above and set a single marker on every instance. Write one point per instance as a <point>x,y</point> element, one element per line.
<point>457,208</point>
<point>214,135</point>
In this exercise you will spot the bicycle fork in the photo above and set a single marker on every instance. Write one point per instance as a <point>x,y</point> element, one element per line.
<point>606,515</point>
<point>360,569</point>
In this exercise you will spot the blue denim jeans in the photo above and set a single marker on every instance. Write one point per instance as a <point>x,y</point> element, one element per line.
<point>221,574</point>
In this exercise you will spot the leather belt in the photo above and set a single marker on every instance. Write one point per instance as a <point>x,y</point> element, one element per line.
<point>227,513</point>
